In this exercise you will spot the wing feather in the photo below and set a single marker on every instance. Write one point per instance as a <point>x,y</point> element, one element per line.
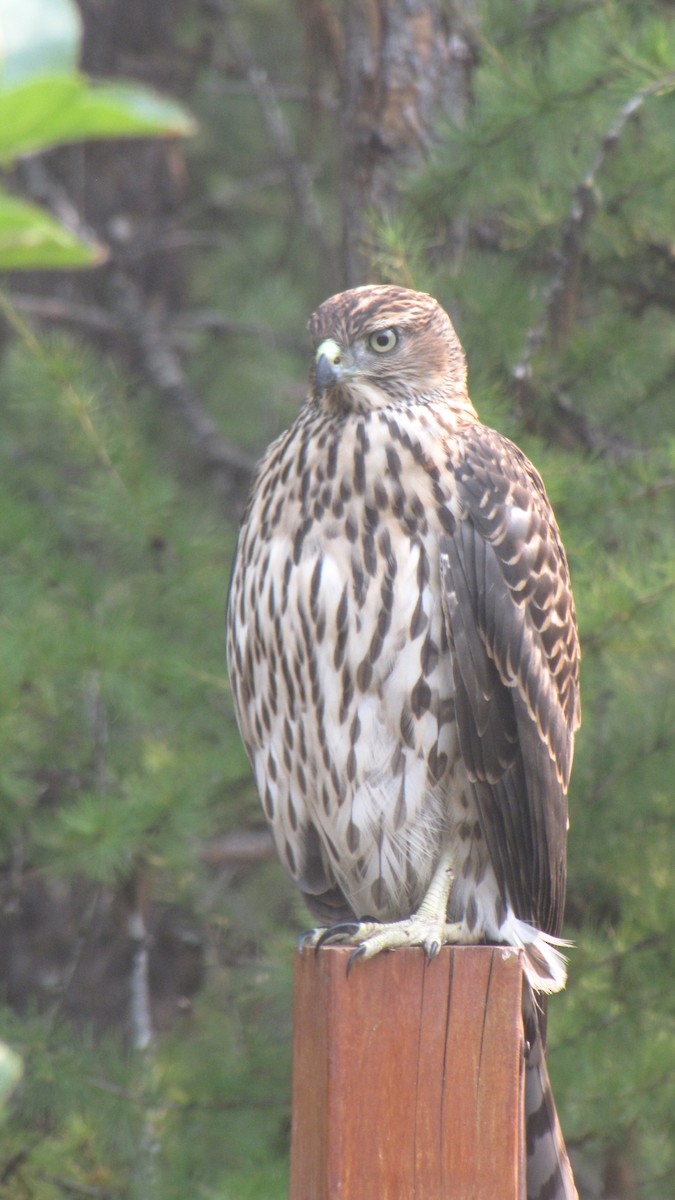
<point>512,631</point>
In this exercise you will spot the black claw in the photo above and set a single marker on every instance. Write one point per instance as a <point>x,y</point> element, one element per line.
<point>346,928</point>
<point>354,956</point>
<point>334,932</point>
<point>433,950</point>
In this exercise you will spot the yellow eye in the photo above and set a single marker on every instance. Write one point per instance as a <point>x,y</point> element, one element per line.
<point>383,340</point>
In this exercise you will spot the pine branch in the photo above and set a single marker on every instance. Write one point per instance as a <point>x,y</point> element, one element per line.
<point>230,467</point>
<point>571,425</point>
<point>288,92</point>
<point>280,134</point>
<point>561,292</point>
<point>155,344</point>
<point>69,312</point>
<point>545,18</point>
<point>239,848</point>
<point>76,953</point>
<point>71,397</point>
<point>218,322</point>
<point>667,484</point>
<point>607,785</point>
<point>561,289</point>
<point>599,638</point>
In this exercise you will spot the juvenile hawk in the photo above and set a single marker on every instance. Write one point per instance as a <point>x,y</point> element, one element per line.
<point>404,661</point>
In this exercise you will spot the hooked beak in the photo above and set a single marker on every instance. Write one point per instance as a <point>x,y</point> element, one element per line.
<point>326,374</point>
<point>329,368</point>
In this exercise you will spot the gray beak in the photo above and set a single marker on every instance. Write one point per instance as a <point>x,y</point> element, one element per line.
<point>326,373</point>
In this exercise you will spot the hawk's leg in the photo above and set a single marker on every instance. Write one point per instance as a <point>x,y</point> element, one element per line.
<point>427,927</point>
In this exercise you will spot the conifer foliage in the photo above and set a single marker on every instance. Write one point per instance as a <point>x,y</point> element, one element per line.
<point>145,933</point>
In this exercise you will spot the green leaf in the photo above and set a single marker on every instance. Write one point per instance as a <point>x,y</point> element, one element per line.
<point>31,239</point>
<point>37,37</point>
<point>55,109</point>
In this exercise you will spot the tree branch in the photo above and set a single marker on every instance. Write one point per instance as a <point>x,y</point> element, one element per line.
<point>280,134</point>
<point>560,295</point>
<point>69,312</point>
<point>230,467</point>
<point>561,291</point>
<point>57,308</point>
<point>218,322</point>
<point>239,849</point>
<point>667,484</point>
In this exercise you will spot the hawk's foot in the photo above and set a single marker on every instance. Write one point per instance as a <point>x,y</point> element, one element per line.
<point>428,927</point>
<point>371,937</point>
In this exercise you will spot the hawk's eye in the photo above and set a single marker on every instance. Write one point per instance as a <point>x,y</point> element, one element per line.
<point>383,340</point>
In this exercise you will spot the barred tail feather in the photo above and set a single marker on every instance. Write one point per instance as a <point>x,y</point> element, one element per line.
<point>549,1174</point>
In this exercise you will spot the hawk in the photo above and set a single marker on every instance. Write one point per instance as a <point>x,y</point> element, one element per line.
<point>404,660</point>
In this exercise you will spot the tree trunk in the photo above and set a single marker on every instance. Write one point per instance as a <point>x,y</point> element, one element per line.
<point>405,66</point>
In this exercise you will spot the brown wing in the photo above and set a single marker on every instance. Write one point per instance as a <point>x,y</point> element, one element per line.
<point>513,634</point>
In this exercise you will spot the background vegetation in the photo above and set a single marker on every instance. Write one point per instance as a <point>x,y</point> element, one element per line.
<point>524,175</point>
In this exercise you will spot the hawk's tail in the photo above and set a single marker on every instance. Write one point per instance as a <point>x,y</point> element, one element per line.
<point>545,964</point>
<point>549,1174</point>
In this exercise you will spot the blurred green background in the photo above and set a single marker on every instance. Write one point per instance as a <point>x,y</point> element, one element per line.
<point>218,169</point>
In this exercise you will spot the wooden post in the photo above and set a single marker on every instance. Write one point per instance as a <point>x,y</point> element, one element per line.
<point>408,1076</point>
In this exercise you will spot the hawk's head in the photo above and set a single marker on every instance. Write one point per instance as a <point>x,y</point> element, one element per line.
<point>379,345</point>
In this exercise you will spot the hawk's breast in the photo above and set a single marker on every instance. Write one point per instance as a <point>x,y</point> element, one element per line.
<point>348,712</point>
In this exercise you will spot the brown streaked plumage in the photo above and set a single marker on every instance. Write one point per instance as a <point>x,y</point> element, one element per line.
<point>404,662</point>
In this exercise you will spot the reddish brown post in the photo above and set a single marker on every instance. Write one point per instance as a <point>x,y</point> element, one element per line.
<point>408,1076</point>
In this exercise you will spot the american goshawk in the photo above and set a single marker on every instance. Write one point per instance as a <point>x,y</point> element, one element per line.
<point>404,661</point>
